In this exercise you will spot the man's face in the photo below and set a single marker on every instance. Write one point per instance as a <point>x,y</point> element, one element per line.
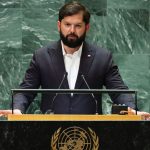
<point>73,30</point>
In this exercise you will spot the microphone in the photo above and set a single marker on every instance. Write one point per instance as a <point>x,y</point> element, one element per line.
<point>91,93</point>
<point>53,100</point>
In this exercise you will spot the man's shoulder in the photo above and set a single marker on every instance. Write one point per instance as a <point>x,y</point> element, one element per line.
<point>97,48</point>
<point>48,47</point>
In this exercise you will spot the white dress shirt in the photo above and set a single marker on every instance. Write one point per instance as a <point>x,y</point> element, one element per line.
<point>72,63</point>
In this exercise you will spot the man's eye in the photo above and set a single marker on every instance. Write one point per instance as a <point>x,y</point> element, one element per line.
<point>67,25</point>
<point>78,26</point>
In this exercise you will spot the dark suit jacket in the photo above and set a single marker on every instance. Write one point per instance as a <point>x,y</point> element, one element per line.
<point>47,69</point>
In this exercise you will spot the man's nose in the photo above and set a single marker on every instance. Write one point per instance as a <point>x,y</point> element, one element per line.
<point>72,29</point>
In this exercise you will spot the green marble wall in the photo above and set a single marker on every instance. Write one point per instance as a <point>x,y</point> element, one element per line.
<point>121,26</point>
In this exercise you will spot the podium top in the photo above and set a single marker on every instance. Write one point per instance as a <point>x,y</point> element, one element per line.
<point>51,117</point>
<point>77,91</point>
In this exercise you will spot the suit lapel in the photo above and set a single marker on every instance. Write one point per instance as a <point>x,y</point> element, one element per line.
<point>58,64</point>
<point>85,63</point>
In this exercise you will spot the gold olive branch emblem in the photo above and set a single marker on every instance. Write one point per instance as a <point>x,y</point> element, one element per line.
<point>54,139</point>
<point>94,138</point>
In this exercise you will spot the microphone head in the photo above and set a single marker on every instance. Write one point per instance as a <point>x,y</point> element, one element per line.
<point>81,74</point>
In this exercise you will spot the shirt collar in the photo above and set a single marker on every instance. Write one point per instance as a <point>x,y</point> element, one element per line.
<point>77,53</point>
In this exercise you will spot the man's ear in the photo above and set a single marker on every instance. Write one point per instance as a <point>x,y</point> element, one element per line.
<point>87,27</point>
<point>58,25</point>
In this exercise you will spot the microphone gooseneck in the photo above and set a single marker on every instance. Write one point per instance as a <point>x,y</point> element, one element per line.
<point>53,100</point>
<point>91,93</point>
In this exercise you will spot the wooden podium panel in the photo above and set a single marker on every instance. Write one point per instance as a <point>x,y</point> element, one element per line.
<point>46,117</point>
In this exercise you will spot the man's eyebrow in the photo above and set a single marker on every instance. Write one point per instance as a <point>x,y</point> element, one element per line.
<point>79,23</point>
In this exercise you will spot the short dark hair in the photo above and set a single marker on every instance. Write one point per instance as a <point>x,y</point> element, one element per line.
<point>73,8</point>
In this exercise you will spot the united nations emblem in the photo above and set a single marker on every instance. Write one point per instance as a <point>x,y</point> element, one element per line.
<point>74,138</point>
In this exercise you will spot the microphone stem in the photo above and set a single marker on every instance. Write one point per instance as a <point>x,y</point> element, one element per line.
<point>91,94</point>
<point>64,76</point>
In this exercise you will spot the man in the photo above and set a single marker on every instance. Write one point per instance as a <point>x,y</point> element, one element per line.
<point>71,63</point>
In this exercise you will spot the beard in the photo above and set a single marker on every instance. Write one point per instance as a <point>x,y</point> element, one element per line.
<point>72,40</point>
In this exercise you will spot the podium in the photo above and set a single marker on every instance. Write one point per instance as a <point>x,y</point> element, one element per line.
<point>72,132</point>
<point>59,132</point>
<point>53,117</point>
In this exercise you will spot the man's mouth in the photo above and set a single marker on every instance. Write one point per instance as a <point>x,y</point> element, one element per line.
<point>72,37</point>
